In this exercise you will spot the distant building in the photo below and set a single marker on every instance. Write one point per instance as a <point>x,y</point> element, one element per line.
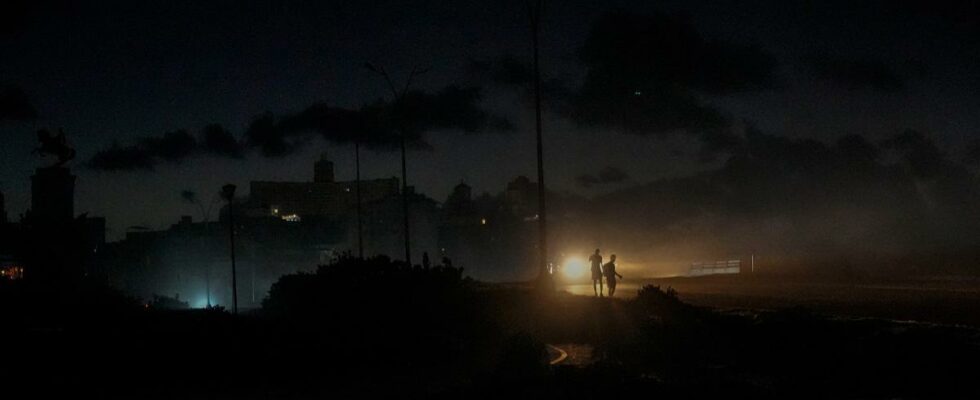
<point>522,197</point>
<point>9,242</point>
<point>285,227</point>
<point>10,269</point>
<point>492,235</point>
<point>282,227</point>
<point>52,195</point>
<point>322,198</point>
<point>323,170</point>
<point>384,229</point>
<point>3,209</point>
<point>51,243</point>
<point>94,231</point>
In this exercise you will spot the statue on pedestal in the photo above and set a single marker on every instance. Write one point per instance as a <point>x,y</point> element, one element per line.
<point>54,145</point>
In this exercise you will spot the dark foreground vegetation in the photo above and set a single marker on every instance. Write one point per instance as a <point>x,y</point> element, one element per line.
<point>433,333</point>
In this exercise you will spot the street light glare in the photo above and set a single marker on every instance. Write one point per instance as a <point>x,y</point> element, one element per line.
<point>573,268</point>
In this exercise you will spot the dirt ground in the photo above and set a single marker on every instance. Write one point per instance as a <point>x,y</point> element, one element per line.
<point>946,301</point>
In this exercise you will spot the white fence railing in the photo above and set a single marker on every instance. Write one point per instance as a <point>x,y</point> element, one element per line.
<point>715,267</point>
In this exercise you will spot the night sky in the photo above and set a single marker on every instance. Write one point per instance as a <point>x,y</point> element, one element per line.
<point>117,73</point>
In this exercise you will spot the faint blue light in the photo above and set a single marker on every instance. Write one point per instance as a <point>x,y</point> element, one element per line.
<point>202,302</point>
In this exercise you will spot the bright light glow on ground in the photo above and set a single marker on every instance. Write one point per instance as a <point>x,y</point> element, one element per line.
<point>573,268</point>
<point>202,302</point>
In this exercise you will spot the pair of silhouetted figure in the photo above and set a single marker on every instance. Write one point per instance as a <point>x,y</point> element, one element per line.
<point>600,270</point>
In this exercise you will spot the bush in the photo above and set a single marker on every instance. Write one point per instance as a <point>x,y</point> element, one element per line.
<point>167,303</point>
<point>372,284</point>
<point>654,297</point>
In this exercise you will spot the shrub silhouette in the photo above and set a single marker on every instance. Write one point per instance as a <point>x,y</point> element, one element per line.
<point>369,312</point>
<point>378,284</point>
<point>652,294</point>
<point>160,302</point>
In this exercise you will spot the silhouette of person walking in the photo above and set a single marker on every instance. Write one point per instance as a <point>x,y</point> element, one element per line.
<point>425,260</point>
<point>609,269</point>
<point>596,260</point>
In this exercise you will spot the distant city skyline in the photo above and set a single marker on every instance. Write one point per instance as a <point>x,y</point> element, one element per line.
<point>117,72</point>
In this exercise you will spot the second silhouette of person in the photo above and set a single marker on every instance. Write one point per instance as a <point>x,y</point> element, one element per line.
<point>609,269</point>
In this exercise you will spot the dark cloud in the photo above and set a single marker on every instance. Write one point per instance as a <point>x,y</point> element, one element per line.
<point>372,125</point>
<point>920,155</point>
<point>171,147</point>
<point>377,125</point>
<point>188,196</point>
<point>15,105</point>
<point>857,149</point>
<point>608,175</point>
<point>508,70</point>
<point>122,158</point>
<point>856,74</point>
<point>655,111</point>
<point>807,200</point>
<point>265,134</point>
<point>717,141</point>
<point>648,75</point>
<point>454,107</point>
<point>504,70</point>
<point>217,140</point>
<point>646,52</point>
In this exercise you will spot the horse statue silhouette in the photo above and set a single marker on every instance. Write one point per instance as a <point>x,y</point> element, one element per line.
<point>54,145</point>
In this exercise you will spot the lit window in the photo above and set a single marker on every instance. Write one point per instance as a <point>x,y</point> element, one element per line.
<point>483,221</point>
<point>291,218</point>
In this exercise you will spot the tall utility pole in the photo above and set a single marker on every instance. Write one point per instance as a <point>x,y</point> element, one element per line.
<point>207,284</point>
<point>397,107</point>
<point>408,246</point>
<point>228,192</point>
<point>206,218</point>
<point>357,193</point>
<point>534,12</point>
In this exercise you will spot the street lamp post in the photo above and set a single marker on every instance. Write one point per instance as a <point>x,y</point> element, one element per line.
<point>228,192</point>
<point>534,13</point>
<point>357,190</point>
<point>206,218</point>
<point>397,103</point>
